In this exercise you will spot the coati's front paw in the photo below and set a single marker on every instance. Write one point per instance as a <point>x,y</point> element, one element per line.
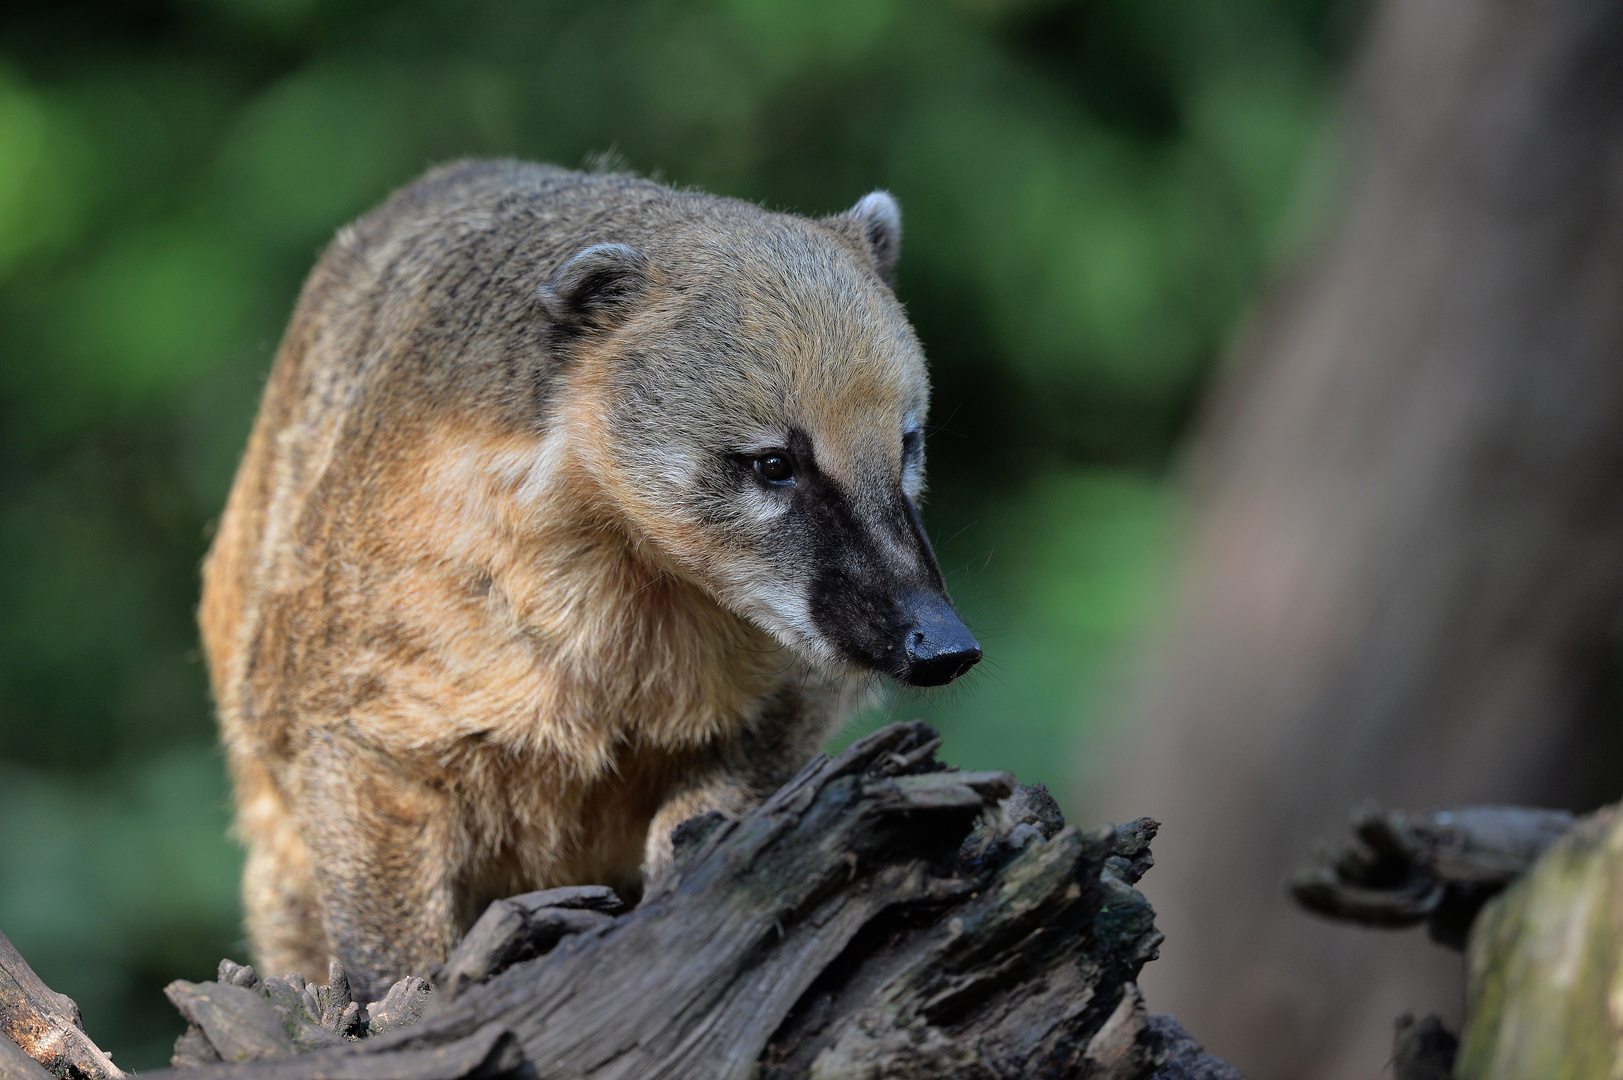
<point>670,849</point>
<point>688,819</point>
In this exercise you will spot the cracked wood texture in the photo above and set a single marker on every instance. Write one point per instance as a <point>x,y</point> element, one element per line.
<point>880,916</point>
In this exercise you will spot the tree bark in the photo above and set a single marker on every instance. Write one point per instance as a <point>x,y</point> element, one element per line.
<point>1407,556</point>
<point>880,916</point>
<point>1401,869</point>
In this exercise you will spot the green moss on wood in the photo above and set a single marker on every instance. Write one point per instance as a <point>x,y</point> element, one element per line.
<point>1545,967</point>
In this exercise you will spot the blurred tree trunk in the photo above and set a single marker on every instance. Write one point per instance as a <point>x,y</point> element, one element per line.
<point>1406,559</point>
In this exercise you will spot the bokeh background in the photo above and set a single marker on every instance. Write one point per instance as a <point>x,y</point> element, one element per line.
<point>1092,189</point>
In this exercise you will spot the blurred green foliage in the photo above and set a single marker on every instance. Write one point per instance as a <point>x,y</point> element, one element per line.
<point>1091,188</point>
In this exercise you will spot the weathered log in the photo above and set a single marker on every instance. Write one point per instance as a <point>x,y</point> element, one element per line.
<point>45,1025</point>
<point>16,1065</point>
<point>1423,1049</point>
<point>523,927</point>
<point>1400,869</point>
<point>880,916</point>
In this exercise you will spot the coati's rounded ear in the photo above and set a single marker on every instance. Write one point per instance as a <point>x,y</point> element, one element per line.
<point>876,222</point>
<point>597,287</point>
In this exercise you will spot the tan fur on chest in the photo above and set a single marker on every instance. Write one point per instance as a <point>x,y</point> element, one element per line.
<point>512,682</point>
<point>574,666</point>
<point>515,594</point>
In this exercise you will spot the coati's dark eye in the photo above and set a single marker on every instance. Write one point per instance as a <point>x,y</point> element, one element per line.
<point>775,468</point>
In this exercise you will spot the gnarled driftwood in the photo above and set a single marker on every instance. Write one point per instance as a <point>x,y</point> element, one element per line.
<point>880,916</point>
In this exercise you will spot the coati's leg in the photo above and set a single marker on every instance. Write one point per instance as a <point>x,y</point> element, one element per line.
<point>747,771</point>
<point>277,892</point>
<point>716,791</point>
<point>386,849</point>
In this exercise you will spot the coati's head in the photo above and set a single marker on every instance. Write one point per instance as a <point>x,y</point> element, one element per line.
<point>752,401</point>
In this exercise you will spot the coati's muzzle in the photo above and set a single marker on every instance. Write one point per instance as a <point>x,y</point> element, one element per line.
<point>913,636</point>
<point>887,612</point>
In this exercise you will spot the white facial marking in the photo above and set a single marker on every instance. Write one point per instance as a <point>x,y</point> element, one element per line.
<point>677,468</point>
<point>766,507</point>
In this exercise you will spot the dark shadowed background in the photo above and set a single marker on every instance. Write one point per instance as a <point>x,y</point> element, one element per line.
<point>1091,189</point>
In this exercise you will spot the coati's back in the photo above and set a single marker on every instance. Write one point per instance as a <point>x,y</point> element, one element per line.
<point>405,313</point>
<point>370,290</point>
<point>420,310</point>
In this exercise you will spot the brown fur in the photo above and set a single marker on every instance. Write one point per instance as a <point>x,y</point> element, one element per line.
<point>467,635</point>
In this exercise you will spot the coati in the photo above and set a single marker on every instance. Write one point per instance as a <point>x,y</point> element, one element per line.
<point>575,506</point>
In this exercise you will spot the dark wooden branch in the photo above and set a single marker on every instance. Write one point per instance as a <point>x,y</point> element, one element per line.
<point>1400,869</point>
<point>45,1025</point>
<point>1423,1049</point>
<point>1402,578</point>
<point>880,916</point>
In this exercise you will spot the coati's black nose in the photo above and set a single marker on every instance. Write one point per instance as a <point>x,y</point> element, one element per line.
<point>939,646</point>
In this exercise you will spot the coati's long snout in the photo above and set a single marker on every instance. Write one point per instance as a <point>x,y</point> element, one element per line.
<point>878,595</point>
<point>913,636</point>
